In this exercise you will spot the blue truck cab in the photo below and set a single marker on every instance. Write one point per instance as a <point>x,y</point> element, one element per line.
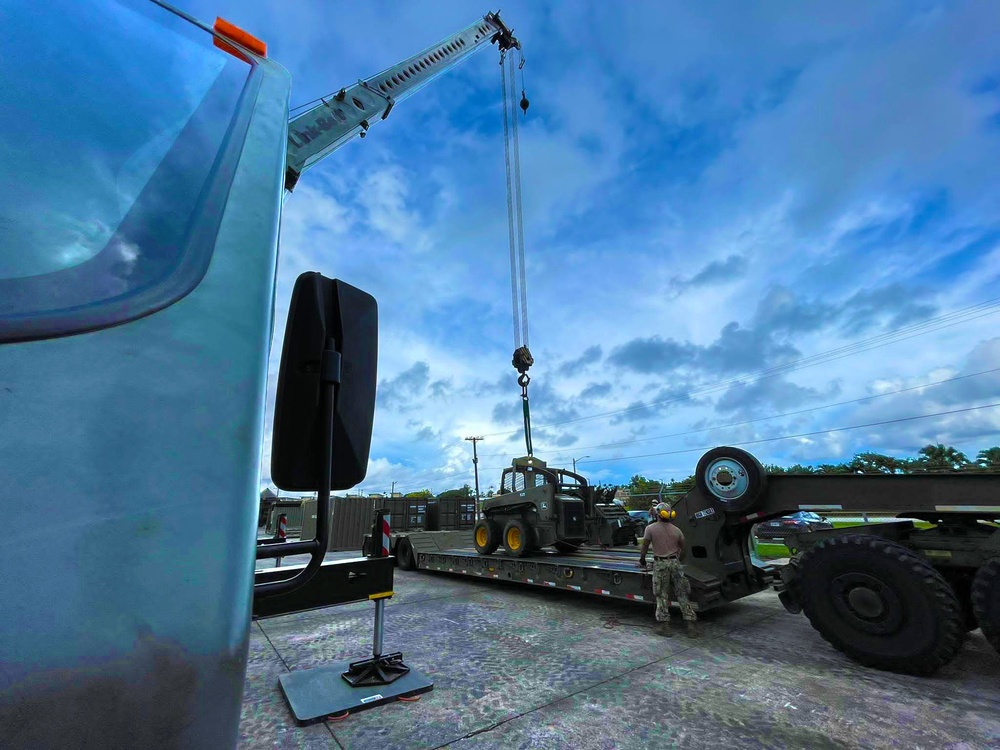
<point>141,161</point>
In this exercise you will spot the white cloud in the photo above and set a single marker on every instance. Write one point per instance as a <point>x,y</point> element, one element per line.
<point>686,168</point>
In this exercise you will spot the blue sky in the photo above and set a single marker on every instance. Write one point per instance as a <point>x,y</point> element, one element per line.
<point>710,192</point>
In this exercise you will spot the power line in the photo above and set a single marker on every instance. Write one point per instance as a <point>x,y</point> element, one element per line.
<point>973,312</point>
<point>801,434</point>
<point>981,309</point>
<point>871,397</point>
<point>860,346</point>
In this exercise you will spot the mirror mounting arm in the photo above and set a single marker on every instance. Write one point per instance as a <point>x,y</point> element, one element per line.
<point>330,379</point>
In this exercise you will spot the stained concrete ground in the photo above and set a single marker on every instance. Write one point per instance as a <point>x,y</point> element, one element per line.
<point>515,667</point>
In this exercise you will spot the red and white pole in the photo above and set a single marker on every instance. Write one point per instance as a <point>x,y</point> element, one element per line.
<point>380,530</point>
<point>385,537</point>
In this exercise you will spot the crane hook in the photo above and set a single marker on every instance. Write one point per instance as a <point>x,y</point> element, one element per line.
<point>524,102</point>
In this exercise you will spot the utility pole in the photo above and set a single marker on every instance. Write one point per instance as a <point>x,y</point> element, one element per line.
<point>475,468</point>
<point>578,459</point>
<point>392,492</point>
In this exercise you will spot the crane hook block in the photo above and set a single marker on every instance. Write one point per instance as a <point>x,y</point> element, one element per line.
<point>522,359</point>
<point>524,102</point>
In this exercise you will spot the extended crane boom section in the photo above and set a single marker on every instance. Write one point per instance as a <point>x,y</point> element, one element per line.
<point>318,131</point>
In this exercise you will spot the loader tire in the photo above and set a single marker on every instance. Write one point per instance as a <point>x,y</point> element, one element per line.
<point>486,536</point>
<point>880,604</point>
<point>518,538</point>
<point>731,478</point>
<point>986,600</point>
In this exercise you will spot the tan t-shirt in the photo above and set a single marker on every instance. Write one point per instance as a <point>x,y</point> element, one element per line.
<point>665,537</point>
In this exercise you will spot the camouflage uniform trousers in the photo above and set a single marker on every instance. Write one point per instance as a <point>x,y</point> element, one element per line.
<point>667,575</point>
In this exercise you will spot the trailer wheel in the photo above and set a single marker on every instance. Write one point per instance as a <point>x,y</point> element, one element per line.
<point>518,538</point>
<point>879,603</point>
<point>986,600</point>
<point>404,555</point>
<point>486,536</point>
<point>732,478</point>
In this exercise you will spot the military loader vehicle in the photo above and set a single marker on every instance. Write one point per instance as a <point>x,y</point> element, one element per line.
<point>541,506</point>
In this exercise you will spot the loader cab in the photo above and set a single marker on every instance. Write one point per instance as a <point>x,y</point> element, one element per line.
<point>529,472</point>
<point>525,473</point>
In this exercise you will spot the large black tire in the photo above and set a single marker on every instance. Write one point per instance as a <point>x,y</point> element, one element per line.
<point>486,536</point>
<point>566,547</point>
<point>879,603</point>
<point>961,584</point>
<point>732,478</point>
<point>405,558</point>
<point>518,538</point>
<point>986,600</point>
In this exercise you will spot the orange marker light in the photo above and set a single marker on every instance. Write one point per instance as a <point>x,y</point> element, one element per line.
<point>238,35</point>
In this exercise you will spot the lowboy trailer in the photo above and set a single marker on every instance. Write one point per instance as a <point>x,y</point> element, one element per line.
<point>612,572</point>
<point>890,595</point>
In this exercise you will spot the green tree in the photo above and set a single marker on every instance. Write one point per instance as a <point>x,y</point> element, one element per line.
<point>463,493</point>
<point>681,487</point>
<point>639,485</point>
<point>833,469</point>
<point>877,463</point>
<point>421,494</point>
<point>941,458</point>
<point>989,458</point>
<point>798,469</point>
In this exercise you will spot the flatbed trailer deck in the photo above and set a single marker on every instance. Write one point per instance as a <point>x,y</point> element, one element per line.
<point>611,573</point>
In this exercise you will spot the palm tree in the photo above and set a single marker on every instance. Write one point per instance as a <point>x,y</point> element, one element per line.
<point>942,458</point>
<point>989,458</point>
<point>876,463</point>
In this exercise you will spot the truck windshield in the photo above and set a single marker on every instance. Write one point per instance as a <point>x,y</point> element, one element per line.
<point>114,120</point>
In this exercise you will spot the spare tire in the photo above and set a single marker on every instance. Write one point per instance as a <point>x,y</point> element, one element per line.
<point>880,603</point>
<point>986,600</point>
<point>732,478</point>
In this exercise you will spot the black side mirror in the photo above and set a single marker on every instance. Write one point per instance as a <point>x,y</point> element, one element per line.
<point>324,407</point>
<point>325,314</point>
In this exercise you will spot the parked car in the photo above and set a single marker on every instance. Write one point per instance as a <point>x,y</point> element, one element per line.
<point>642,519</point>
<point>796,523</point>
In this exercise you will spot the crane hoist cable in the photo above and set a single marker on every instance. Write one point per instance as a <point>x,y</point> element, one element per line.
<point>522,359</point>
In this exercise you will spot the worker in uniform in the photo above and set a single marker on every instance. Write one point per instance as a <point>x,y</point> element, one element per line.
<point>668,576</point>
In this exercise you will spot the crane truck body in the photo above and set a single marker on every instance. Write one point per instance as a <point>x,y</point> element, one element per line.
<point>145,160</point>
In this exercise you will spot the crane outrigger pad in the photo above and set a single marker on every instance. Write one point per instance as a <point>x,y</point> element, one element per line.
<point>322,691</point>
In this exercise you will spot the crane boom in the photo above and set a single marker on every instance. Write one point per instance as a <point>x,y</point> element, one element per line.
<point>317,132</point>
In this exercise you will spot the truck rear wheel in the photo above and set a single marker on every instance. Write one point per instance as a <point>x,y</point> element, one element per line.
<point>518,539</point>
<point>486,536</point>
<point>732,478</point>
<point>961,584</point>
<point>879,603</point>
<point>986,600</point>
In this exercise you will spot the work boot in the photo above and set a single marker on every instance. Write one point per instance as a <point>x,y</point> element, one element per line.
<point>692,627</point>
<point>663,628</point>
